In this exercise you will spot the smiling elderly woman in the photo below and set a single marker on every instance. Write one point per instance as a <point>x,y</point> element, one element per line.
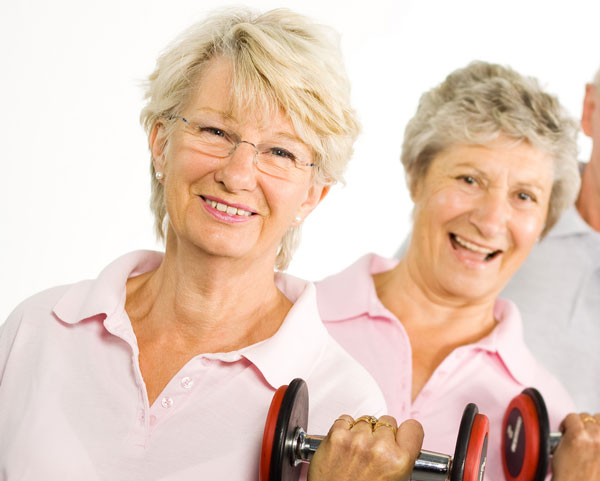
<point>165,365</point>
<point>490,161</point>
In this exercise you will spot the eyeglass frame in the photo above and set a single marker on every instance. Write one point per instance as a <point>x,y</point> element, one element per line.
<point>296,162</point>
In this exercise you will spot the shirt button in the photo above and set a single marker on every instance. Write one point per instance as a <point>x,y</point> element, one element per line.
<point>166,402</point>
<point>187,382</point>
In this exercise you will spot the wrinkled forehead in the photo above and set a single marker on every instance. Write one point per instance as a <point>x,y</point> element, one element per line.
<point>240,94</point>
<point>243,97</point>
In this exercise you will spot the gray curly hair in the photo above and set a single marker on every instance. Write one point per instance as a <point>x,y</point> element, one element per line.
<point>476,104</point>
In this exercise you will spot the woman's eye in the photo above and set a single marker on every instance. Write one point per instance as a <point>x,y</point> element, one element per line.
<point>279,152</point>
<point>525,196</point>
<point>213,131</point>
<point>468,179</point>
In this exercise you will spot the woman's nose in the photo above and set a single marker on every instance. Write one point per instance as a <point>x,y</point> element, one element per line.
<point>491,214</point>
<point>238,171</point>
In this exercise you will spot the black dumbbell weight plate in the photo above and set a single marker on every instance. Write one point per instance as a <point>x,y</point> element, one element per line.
<point>293,414</point>
<point>462,442</point>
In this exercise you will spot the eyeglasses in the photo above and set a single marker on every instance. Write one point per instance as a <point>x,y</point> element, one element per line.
<point>278,160</point>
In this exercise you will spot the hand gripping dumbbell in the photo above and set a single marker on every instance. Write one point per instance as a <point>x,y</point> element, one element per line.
<point>286,444</point>
<point>527,442</point>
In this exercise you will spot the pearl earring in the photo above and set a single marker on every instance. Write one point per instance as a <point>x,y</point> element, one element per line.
<point>298,219</point>
<point>159,175</point>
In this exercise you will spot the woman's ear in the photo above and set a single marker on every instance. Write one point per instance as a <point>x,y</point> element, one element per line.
<point>157,142</point>
<point>589,105</point>
<point>316,193</point>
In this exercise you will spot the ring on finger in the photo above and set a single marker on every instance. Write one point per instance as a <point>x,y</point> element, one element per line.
<point>379,424</point>
<point>371,420</point>
<point>589,419</point>
<point>350,423</point>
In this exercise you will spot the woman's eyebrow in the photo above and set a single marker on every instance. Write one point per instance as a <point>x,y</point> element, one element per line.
<point>288,136</point>
<point>533,184</point>
<point>220,113</point>
<point>468,165</point>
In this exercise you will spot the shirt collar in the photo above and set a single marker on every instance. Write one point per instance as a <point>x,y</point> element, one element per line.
<point>351,293</point>
<point>506,340</point>
<point>294,350</point>
<point>296,346</point>
<point>105,295</point>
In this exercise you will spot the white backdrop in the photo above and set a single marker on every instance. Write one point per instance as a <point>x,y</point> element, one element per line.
<point>74,180</point>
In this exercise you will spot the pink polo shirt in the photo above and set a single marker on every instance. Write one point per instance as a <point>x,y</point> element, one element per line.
<point>73,404</point>
<point>489,372</point>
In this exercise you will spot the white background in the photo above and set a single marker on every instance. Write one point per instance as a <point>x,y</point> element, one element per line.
<point>74,182</point>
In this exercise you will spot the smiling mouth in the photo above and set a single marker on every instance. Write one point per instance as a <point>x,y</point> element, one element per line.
<point>485,253</point>
<point>228,209</point>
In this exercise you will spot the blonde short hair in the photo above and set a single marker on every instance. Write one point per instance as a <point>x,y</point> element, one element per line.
<point>476,104</point>
<point>281,60</point>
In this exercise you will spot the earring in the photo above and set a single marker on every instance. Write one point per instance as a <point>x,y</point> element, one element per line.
<point>158,175</point>
<point>298,219</point>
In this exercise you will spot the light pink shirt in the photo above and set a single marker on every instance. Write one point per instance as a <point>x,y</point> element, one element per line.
<point>489,372</point>
<point>73,404</point>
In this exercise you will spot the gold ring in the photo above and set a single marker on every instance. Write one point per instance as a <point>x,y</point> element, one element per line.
<point>372,420</point>
<point>345,419</point>
<point>379,424</point>
<point>590,419</point>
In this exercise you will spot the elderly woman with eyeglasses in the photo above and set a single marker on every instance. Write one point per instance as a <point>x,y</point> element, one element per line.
<point>165,365</point>
<point>490,161</point>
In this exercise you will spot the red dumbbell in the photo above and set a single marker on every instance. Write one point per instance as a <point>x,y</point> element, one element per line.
<point>527,442</point>
<point>286,445</point>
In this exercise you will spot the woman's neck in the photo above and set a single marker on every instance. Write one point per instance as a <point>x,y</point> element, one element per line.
<point>436,324</point>
<point>204,302</point>
<point>406,294</point>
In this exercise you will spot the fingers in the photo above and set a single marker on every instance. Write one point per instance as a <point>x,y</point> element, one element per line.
<point>575,423</point>
<point>367,449</point>
<point>580,447</point>
<point>385,428</point>
<point>571,423</point>
<point>410,436</point>
<point>594,419</point>
<point>364,425</point>
<point>343,422</point>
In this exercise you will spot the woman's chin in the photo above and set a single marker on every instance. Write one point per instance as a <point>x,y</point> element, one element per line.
<point>471,288</point>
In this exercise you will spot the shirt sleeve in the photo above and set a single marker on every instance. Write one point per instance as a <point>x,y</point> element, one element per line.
<point>8,333</point>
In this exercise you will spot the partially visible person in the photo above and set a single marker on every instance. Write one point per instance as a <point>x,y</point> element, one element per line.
<point>164,367</point>
<point>577,457</point>
<point>490,161</point>
<point>558,287</point>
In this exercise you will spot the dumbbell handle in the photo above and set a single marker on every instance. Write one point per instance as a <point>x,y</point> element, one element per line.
<point>554,441</point>
<point>429,466</point>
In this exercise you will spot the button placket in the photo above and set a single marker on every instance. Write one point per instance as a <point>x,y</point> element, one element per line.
<point>186,382</point>
<point>177,392</point>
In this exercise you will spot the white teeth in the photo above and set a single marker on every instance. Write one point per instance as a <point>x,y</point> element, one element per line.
<point>473,247</point>
<point>227,208</point>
